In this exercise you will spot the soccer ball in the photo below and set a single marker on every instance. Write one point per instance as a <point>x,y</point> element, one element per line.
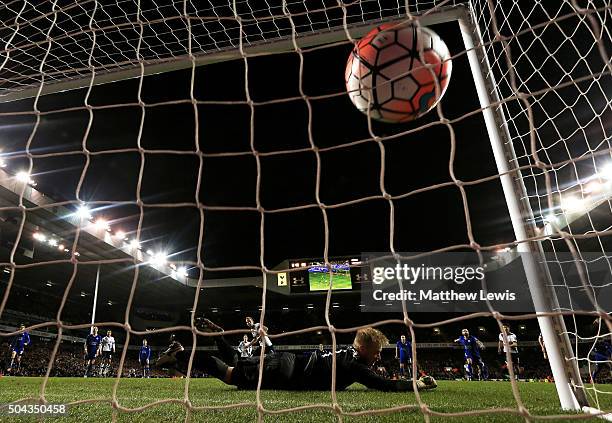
<point>384,71</point>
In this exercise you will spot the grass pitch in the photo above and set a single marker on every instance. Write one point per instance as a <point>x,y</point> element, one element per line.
<point>319,281</point>
<point>449,397</point>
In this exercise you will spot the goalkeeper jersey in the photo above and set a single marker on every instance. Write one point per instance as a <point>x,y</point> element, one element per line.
<point>312,372</point>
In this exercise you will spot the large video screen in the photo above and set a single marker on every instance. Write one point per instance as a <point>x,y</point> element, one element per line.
<point>319,277</point>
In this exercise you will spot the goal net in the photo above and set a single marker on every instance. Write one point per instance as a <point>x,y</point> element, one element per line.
<point>165,161</point>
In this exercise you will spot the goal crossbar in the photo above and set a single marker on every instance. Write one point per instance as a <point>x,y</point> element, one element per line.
<point>132,69</point>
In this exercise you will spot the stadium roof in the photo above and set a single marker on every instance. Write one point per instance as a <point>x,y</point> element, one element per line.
<point>45,270</point>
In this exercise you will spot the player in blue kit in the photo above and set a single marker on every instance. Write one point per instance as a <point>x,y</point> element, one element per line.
<point>471,352</point>
<point>17,347</point>
<point>403,352</point>
<point>144,356</point>
<point>601,357</point>
<point>92,349</point>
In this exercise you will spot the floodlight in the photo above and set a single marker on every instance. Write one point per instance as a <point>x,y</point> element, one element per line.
<point>593,187</point>
<point>101,224</point>
<point>572,204</point>
<point>83,213</point>
<point>39,237</point>
<point>606,171</point>
<point>23,176</point>
<point>159,259</point>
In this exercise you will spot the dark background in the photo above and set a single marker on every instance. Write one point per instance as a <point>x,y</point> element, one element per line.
<point>228,172</point>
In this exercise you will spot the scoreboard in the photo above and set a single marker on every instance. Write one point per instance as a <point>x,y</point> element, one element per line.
<point>315,276</point>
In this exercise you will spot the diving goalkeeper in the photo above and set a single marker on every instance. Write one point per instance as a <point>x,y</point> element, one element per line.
<point>289,371</point>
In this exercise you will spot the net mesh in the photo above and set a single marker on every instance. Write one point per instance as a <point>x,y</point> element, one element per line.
<point>129,33</point>
<point>563,151</point>
<point>557,114</point>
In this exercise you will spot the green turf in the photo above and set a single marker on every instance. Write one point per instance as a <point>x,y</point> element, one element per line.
<point>319,281</point>
<point>450,396</point>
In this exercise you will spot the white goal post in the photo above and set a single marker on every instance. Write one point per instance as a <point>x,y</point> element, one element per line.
<point>560,355</point>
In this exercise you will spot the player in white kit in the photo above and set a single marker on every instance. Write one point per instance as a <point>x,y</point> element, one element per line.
<point>108,349</point>
<point>264,341</point>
